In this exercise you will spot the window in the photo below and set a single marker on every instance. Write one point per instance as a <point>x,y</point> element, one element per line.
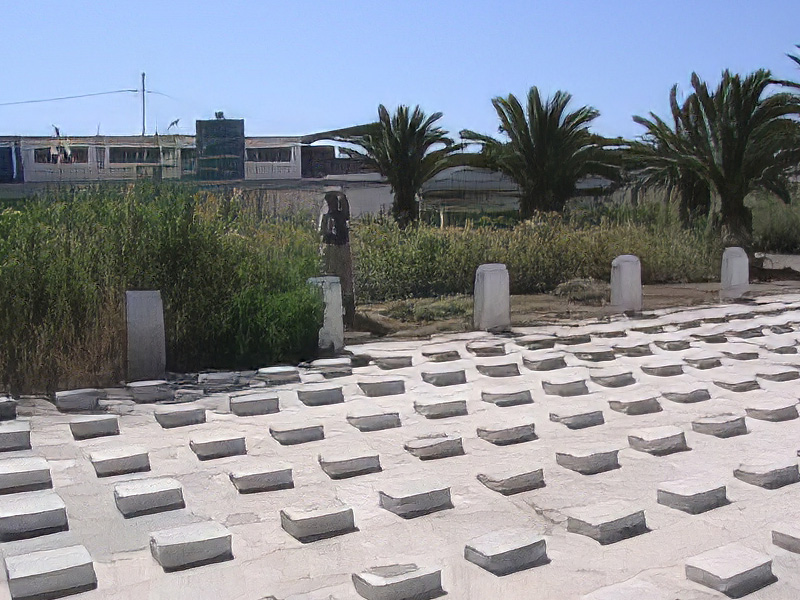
<point>100,157</point>
<point>188,159</point>
<point>134,155</point>
<point>61,155</point>
<point>269,154</point>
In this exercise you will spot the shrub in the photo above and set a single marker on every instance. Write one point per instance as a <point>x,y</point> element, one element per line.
<point>233,286</point>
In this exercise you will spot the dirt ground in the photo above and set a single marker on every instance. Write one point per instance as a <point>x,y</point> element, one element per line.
<point>538,309</point>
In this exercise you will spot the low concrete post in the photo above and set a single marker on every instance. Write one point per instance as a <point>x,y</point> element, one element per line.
<point>492,304</point>
<point>147,346</point>
<point>331,335</point>
<point>626,283</point>
<point>735,276</point>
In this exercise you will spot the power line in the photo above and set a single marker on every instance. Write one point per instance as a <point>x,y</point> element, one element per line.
<point>69,97</point>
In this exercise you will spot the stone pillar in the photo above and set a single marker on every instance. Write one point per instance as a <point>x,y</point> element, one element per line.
<point>147,346</point>
<point>735,276</point>
<point>626,283</point>
<point>331,336</point>
<point>492,304</point>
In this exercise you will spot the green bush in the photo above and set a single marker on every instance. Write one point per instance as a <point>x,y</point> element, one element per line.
<point>233,286</point>
<point>776,226</point>
<point>425,261</point>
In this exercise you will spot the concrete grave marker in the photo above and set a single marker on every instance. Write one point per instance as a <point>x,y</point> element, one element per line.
<point>608,522</point>
<point>317,523</point>
<point>735,275</point>
<point>626,283</point>
<point>24,474</point>
<point>50,573</point>
<point>507,551</point>
<point>331,334</point>
<point>492,305</point>
<point>399,582</point>
<point>191,545</point>
<point>734,570</point>
<point>31,514</point>
<point>147,496</point>
<point>93,426</point>
<point>147,348</point>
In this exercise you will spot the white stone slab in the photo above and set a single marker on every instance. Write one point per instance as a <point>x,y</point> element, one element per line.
<point>31,514</point>
<point>693,495</point>
<point>93,426</point>
<point>79,400</point>
<point>15,435</point>
<point>444,378</point>
<point>734,382</point>
<point>147,496</point>
<point>399,582</point>
<point>442,353</point>
<point>373,420</point>
<point>614,379</point>
<point>536,342</point>
<point>388,387</point>
<point>626,283</point>
<point>507,551</point>
<point>289,434</point>
<point>352,462</point>
<point>769,474</point>
<point>607,522</point>
<point>208,446</point>
<point>433,408</point>
<point>331,368</point>
<point>191,545</point>
<point>774,410</point>
<point>687,396</point>
<point>504,436</point>
<point>589,460</point>
<point>662,368</point>
<point>180,416</point>
<point>388,363</point>
<point>492,306</point>
<point>484,348</point>
<point>635,405</point>
<point>499,370</point>
<point>507,398</point>
<point>24,474</point>
<point>261,476</point>
<point>253,403</point>
<point>634,351</point>
<point>146,340</point>
<point>413,499</point>
<point>787,536</point>
<point>577,417</point>
<point>734,570</point>
<point>510,481</point>
<point>436,446</point>
<point>119,461</point>
<point>144,392</point>
<point>320,395</point>
<point>658,441</point>
<point>565,389</point>
<point>544,362</point>
<point>279,375</point>
<point>317,523</point>
<point>703,362</point>
<point>721,426</point>
<point>50,573</point>
<point>674,345</point>
<point>590,353</point>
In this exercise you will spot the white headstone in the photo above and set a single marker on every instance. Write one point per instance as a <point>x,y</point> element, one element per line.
<point>147,350</point>
<point>626,283</point>
<point>492,305</point>
<point>735,276</point>
<point>331,336</point>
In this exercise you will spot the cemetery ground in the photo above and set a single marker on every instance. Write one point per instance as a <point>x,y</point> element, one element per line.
<point>596,458</point>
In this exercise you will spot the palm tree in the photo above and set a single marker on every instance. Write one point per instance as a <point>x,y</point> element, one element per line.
<point>408,149</point>
<point>735,139</point>
<point>548,149</point>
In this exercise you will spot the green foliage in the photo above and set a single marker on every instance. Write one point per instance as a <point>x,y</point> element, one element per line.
<point>233,286</point>
<point>425,261</point>
<point>776,226</point>
<point>430,309</point>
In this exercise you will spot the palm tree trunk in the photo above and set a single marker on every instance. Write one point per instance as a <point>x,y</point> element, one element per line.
<point>405,209</point>
<point>737,221</point>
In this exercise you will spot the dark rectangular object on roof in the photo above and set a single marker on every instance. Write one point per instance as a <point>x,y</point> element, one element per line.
<point>220,149</point>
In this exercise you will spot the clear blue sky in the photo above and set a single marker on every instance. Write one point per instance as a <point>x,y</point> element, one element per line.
<point>296,66</point>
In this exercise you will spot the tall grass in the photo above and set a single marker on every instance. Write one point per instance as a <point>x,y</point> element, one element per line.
<point>541,253</point>
<point>233,283</point>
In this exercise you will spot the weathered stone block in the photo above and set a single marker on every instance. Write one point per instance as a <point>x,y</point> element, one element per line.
<point>689,397</point>
<point>547,362</point>
<point>507,551</point>
<point>440,354</point>
<point>319,523</point>
<point>485,349</point>
<point>375,389</point>
<point>773,410</point>
<point>704,362</point>
<point>634,351</point>
<point>721,426</point>
<point>24,475</point>
<point>92,426</point>
<point>144,392</point>
<point>787,536</point>
<point>279,375</point>
<point>388,363</point>
<point>289,434</point>
<point>537,342</point>
<point>433,447</point>
<point>737,384</point>
<point>589,460</point>
<point>79,400</point>
<point>595,356</point>
<point>119,461</point>
<point>658,441</point>
<point>504,370</point>
<point>252,403</point>
<point>510,398</point>
<point>615,380</point>
<point>734,570</point>
<point>673,345</point>
<point>15,435</point>
<point>626,283</point>
<point>180,416</point>
<point>399,582</point>
<point>768,474</point>
<point>574,340</point>
<point>661,369</point>
<point>577,418</point>
<point>566,388</point>
<point>31,514</point>
<point>50,573</point>
<point>350,463</point>
<point>492,306</point>
<point>8,408</point>
<point>444,378</point>
<point>372,420</point>
<point>512,481</point>
<point>607,523</point>
<point>320,395</point>
<point>504,436</point>
<point>147,496</point>
<point>692,496</point>
<point>414,498</point>
<point>147,347</point>
<point>191,545</point>
<point>331,368</point>
<point>635,406</point>
<point>265,477</point>
<point>440,409</point>
<point>217,445</point>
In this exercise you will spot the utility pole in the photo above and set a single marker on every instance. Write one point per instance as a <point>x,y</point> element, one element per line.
<point>143,106</point>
